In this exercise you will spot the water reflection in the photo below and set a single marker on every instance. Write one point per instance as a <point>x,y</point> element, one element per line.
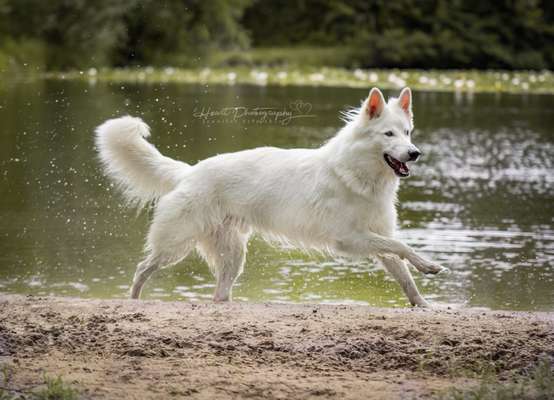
<point>480,201</point>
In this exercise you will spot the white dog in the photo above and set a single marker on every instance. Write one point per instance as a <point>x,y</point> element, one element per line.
<point>339,198</point>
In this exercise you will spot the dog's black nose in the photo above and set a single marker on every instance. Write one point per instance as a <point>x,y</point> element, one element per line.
<point>414,154</point>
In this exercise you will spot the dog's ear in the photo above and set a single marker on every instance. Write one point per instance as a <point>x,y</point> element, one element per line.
<point>375,103</point>
<point>405,101</point>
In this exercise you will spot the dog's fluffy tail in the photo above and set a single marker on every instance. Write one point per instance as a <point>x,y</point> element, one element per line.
<point>142,172</point>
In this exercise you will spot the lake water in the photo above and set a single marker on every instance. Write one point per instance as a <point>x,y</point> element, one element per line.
<point>480,201</point>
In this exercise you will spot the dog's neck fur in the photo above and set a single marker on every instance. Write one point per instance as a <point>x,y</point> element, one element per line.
<point>352,165</point>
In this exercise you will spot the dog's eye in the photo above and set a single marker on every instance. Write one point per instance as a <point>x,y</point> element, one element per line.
<point>389,133</point>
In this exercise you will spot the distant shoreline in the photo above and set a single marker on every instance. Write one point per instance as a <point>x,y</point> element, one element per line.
<point>151,349</point>
<point>461,81</point>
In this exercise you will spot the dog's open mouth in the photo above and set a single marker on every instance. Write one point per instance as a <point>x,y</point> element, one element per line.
<point>399,168</point>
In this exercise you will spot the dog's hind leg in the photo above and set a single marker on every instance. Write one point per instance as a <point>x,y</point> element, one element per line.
<point>154,262</point>
<point>225,253</point>
<point>144,270</point>
<point>400,272</point>
<point>171,238</point>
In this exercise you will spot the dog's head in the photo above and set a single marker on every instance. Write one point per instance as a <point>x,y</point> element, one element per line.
<point>387,129</point>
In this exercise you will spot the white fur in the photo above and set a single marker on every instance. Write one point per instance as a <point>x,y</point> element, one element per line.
<point>339,198</point>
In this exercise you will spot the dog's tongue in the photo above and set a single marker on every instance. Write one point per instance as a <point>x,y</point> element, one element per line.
<point>400,166</point>
<point>403,168</point>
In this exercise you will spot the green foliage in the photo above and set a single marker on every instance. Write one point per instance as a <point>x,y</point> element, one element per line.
<point>56,389</point>
<point>5,375</point>
<point>181,33</point>
<point>81,33</point>
<point>543,377</point>
<point>4,395</point>
<point>22,55</point>
<point>285,57</point>
<point>538,386</point>
<point>75,33</point>
<point>65,34</point>
<point>505,34</point>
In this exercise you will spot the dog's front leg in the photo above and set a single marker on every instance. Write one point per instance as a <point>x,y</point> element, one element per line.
<point>400,272</point>
<point>367,244</point>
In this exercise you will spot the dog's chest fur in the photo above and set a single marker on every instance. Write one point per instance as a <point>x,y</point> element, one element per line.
<point>370,207</point>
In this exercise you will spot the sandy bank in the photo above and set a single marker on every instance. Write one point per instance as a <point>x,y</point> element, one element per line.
<point>150,349</point>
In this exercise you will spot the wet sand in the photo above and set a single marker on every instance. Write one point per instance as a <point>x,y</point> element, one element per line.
<point>122,349</point>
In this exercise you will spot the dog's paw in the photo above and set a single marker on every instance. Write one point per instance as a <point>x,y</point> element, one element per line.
<point>421,303</point>
<point>434,268</point>
<point>444,270</point>
<point>426,266</point>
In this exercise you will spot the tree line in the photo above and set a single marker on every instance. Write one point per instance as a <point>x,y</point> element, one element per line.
<point>65,34</point>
